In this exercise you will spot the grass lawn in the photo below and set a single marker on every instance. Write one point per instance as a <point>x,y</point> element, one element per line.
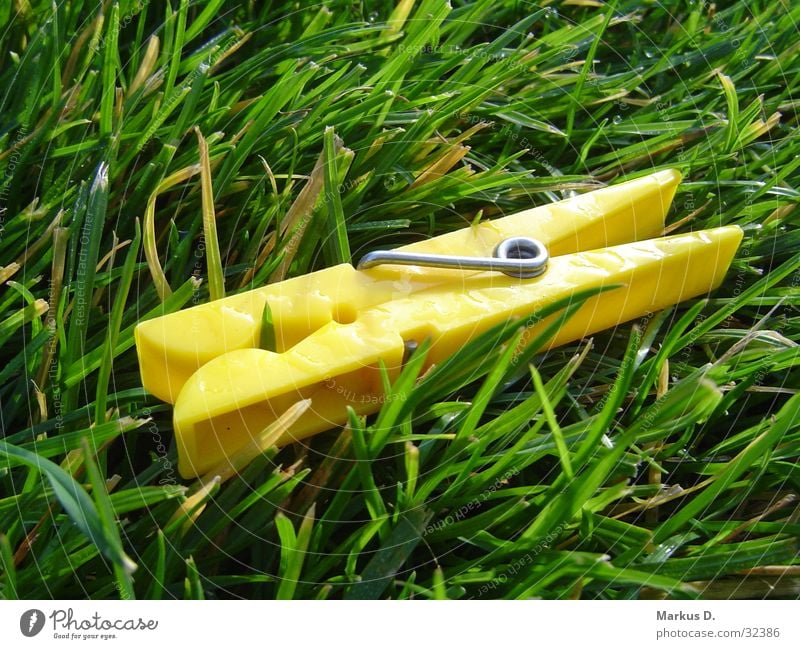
<point>329,130</point>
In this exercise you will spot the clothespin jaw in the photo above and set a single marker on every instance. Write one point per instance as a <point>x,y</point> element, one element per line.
<point>337,326</point>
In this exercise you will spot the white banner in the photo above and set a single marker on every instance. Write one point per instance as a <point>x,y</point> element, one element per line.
<point>386,625</point>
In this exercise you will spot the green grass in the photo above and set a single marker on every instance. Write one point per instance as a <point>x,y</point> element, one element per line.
<point>157,154</point>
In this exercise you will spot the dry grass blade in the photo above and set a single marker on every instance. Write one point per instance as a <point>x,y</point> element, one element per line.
<point>147,65</point>
<point>150,247</point>
<point>441,166</point>
<point>299,217</point>
<point>260,443</point>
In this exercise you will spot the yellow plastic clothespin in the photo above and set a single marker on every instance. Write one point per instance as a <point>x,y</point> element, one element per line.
<point>335,326</point>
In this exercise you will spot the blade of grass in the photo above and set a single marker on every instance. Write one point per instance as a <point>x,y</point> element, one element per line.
<point>787,418</point>
<point>109,72</point>
<point>90,238</point>
<point>107,520</point>
<point>114,326</point>
<point>76,504</point>
<point>216,278</point>
<point>555,429</point>
<point>293,551</point>
<point>335,156</point>
<point>386,562</point>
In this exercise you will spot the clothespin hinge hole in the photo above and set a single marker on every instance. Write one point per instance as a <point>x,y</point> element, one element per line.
<point>344,314</point>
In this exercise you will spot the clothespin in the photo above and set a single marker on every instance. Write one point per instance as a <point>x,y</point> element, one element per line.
<point>334,327</point>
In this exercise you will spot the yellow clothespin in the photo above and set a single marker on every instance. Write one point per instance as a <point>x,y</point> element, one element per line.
<point>333,327</point>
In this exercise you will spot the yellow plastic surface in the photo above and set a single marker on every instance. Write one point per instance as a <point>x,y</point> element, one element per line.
<point>233,397</point>
<point>171,348</point>
<point>333,327</point>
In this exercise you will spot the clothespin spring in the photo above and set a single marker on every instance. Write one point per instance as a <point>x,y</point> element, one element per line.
<point>520,257</point>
